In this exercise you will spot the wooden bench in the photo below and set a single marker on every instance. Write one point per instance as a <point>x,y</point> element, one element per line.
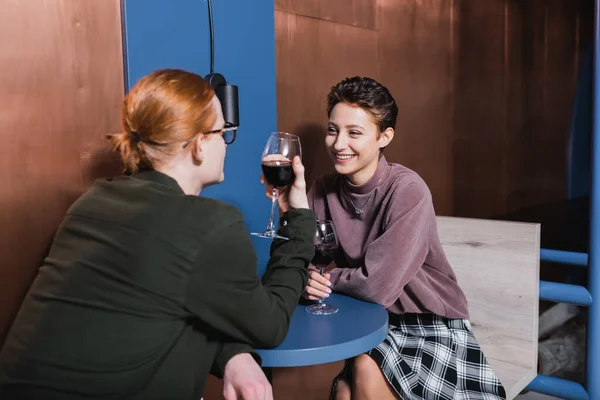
<point>497,266</point>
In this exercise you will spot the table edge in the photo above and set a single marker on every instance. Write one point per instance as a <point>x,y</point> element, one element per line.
<point>323,355</point>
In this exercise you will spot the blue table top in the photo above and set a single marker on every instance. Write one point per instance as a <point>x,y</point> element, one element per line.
<point>318,339</point>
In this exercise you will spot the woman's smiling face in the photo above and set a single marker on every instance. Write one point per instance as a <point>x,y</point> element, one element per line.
<point>353,142</point>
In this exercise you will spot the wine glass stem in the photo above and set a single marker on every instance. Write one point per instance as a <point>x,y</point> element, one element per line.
<point>322,299</point>
<point>271,226</point>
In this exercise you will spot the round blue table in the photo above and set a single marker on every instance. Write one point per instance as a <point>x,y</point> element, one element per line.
<point>318,339</point>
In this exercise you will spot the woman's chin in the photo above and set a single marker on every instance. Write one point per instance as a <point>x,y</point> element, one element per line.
<point>342,169</point>
<point>215,181</point>
<point>220,178</point>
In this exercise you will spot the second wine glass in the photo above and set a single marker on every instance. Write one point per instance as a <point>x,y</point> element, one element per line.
<point>326,245</point>
<point>276,162</point>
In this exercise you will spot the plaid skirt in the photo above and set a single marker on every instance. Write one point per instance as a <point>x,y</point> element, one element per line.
<point>428,357</point>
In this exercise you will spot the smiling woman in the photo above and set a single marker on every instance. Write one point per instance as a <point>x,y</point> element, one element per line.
<point>390,253</point>
<point>362,119</point>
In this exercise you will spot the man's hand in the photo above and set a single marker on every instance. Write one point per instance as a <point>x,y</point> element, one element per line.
<point>245,380</point>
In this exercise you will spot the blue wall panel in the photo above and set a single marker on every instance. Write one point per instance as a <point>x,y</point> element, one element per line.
<point>175,34</point>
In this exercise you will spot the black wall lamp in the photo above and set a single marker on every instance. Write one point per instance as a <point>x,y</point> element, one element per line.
<point>226,93</point>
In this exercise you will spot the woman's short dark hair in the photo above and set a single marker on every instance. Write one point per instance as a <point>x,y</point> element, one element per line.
<point>369,95</point>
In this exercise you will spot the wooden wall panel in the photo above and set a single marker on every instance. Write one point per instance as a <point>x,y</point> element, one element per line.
<point>313,55</point>
<point>585,29</point>
<point>516,143</point>
<point>360,13</point>
<point>416,63</point>
<point>61,86</point>
<point>550,74</point>
<point>479,109</point>
<point>513,103</point>
<point>551,53</point>
<point>559,87</point>
<point>101,90</point>
<point>534,97</point>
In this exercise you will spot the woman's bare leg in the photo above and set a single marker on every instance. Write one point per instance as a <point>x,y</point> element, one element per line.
<point>369,382</point>
<point>342,390</point>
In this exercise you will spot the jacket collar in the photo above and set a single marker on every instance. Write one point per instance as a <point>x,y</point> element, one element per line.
<point>159,177</point>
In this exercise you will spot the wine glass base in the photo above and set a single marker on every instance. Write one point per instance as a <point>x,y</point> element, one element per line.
<point>269,235</point>
<point>322,309</point>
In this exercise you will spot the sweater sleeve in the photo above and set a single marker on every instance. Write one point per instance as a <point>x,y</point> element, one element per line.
<point>227,296</point>
<point>396,256</point>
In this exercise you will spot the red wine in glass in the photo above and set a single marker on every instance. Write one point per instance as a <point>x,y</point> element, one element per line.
<point>278,173</point>
<point>276,163</point>
<point>324,253</point>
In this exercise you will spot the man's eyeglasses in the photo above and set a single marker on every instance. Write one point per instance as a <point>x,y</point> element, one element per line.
<point>228,133</point>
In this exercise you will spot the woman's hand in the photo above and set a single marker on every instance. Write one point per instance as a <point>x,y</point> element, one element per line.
<point>294,195</point>
<point>319,287</point>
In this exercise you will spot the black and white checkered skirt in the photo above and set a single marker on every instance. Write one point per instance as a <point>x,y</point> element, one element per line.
<point>428,357</point>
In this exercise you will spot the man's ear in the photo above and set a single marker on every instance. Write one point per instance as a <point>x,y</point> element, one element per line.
<point>198,148</point>
<point>386,137</point>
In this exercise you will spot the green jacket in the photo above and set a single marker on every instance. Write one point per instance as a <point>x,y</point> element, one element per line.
<point>145,291</point>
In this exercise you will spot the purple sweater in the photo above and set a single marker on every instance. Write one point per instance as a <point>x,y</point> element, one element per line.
<point>391,253</point>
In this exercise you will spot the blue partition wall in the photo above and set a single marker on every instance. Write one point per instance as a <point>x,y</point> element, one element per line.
<point>175,34</point>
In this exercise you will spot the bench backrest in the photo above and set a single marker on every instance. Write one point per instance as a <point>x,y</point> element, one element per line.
<point>497,266</point>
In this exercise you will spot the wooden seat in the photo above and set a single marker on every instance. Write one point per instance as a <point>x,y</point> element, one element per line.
<point>497,266</point>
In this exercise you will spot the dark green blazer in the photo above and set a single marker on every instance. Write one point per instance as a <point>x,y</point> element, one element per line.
<point>146,290</point>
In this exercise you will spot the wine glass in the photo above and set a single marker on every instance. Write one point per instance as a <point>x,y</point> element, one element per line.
<point>326,244</point>
<point>276,162</point>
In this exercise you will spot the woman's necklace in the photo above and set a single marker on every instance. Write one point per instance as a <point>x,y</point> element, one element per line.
<point>360,211</point>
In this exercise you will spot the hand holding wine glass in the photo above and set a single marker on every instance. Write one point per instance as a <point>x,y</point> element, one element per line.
<point>279,171</point>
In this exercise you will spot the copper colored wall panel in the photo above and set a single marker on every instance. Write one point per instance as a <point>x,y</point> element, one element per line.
<point>550,76</point>
<point>516,145</point>
<point>61,85</point>
<point>416,62</point>
<point>312,55</point>
<point>479,109</point>
<point>360,13</point>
